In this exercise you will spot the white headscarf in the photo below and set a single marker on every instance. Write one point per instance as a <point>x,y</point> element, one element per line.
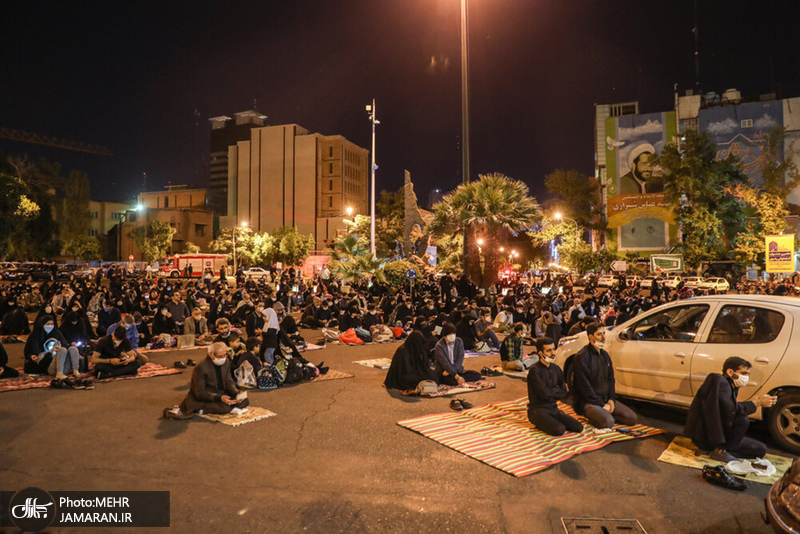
<point>271,318</point>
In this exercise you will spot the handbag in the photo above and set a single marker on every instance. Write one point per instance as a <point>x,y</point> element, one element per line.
<point>268,378</point>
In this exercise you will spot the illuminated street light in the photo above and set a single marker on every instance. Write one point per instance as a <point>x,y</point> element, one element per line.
<point>349,211</point>
<point>480,242</point>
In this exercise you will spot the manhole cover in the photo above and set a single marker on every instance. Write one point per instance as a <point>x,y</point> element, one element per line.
<point>587,525</point>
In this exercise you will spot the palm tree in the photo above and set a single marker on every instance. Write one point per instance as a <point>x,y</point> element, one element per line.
<point>353,263</point>
<point>485,209</point>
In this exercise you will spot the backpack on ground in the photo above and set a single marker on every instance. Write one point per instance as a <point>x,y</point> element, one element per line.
<point>381,333</point>
<point>363,334</point>
<point>244,375</point>
<point>350,337</point>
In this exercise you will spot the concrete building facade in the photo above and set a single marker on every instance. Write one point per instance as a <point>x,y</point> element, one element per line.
<point>286,176</point>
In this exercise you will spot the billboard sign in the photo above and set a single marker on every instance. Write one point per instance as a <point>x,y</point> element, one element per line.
<point>780,253</point>
<point>660,263</point>
<point>635,205</point>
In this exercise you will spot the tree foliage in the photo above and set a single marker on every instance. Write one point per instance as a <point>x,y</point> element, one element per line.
<point>153,239</point>
<point>577,195</point>
<point>15,208</point>
<point>190,248</point>
<point>395,272</point>
<point>285,245</point>
<point>486,209</point>
<point>82,247</point>
<point>290,246</point>
<point>353,262</point>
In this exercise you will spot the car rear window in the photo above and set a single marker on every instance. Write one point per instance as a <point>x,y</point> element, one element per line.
<point>746,324</point>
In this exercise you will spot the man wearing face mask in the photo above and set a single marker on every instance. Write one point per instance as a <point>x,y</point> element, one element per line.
<point>212,389</point>
<point>449,355</point>
<point>113,356</point>
<point>107,316</point>
<point>545,388</point>
<point>511,351</point>
<point>717,421</point>
<point>594,384</point>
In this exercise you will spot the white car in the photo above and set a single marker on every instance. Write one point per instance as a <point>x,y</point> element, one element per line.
<point>692,281</point>
<point>720,285</point>
<point>672,281</point>
<point>257,273</point>
<point>608,280</point>
<point>633,281</point>
<point>664,355</point>
<point>647,282</point>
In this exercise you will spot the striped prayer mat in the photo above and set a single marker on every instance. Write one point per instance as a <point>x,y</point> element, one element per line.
<point>24,381</point>
<point>500,435</point>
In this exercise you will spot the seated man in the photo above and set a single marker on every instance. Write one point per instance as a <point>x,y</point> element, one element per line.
<point>511,353</point>
<point>212,389</point>
<point>717,422</point>
<point>223,331</point>
<point>107,316</point>
<point>5,370</point>
<point>113,356</point>
<point>545,388</point>
<point>449,356</point>
<point>308,320</point>
<point>128,323</point>
<point>594,384</point>
<point>177,308</point>
<point>196,324</point>
<point>484,328</point>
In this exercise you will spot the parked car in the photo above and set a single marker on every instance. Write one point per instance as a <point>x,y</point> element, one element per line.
<point>647,282</point>
<point>719,285</point>
<point>672,281</point>
<point>258,273</point>
<point>633,281</point>
<point>608,280</point>
<point>692,281</point>
<point>74,271</point>
<point>664,355</point>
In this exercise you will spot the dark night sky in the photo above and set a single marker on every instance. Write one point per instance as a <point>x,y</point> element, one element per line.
<point>130,75</point>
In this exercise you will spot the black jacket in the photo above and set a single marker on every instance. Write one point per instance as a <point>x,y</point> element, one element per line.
<point>715,411</point>
<point>545,386</point>
<point>593,372</point>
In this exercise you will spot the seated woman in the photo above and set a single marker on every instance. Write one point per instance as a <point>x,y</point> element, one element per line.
<point>409,364</point>
<point>212,389</point>
<point>5,370</point>
<point>46,352</point>
<point>73,329</point>
<point>163,323</point>
<point>15,321</point>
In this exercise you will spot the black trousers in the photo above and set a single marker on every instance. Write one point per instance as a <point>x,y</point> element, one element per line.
<point>109,370</point>
<point>469,376</point>
<point>737,443</point>
<point>553,421</point>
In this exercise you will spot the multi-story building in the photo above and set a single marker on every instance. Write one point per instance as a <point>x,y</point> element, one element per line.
<point>627,142</point>
<point>286,176</point>
<point>183,208</point>
<point>225,132</point>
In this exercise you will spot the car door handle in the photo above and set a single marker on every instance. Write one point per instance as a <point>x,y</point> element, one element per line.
<point>680,355</point>
<point>762,359</point>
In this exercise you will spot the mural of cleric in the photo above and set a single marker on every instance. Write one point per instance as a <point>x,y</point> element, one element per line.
<point>639,179</point>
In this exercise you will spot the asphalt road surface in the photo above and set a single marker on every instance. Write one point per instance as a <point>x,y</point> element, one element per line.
<point>334,460</point>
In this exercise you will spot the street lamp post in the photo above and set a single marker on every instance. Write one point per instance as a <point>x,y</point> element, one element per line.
<point>374,119</point>
<point>464,93</point>
<point>235,226</point>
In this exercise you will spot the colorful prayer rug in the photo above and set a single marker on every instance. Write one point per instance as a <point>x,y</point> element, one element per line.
<point>683,452</point>
<point>500,435</point>
<point>253,413</point>
<point>24,381</point>
<point>468,387</point>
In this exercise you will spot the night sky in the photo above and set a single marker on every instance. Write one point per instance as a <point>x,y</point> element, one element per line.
<point>134,76</point>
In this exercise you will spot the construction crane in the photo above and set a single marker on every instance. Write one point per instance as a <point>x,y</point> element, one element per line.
<point>57,142</point>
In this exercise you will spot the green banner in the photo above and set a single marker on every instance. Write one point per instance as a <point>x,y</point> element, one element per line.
<point>666,263</point>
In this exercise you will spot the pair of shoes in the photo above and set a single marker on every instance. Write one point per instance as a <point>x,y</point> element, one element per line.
<point>191,362</point>
<point>456,405</point>
<point>465,404</point>
<point>78,384</point>
<point>486,371</point>
<point>722,456</point>
<point>179,365</point>
<point>176,413</point>
<point>719,477</point>
<point>87,383</point>
<point>60,383</point>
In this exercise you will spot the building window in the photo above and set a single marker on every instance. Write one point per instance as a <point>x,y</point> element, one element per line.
<point>116,216</point>
<point>166,202</point>
<point>330,168</point>
<point>330,202</point>
<point>94,215</point>
<point>330,185</point>
<point>330,151</point>
<point>132,217</point>
<point>747,123</point>
<point>200,230</point>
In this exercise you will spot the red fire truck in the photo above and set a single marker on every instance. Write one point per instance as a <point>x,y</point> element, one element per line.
<point>175,266</point>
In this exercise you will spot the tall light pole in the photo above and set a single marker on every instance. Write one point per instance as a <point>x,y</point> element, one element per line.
<point>372,110</point>
<point>235,226</point>
<point>464,93</point>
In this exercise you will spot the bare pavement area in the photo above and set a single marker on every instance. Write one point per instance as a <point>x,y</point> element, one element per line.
<point>334,460</point>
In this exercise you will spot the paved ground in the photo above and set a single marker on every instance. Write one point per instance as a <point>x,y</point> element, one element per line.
<point>334,460</point>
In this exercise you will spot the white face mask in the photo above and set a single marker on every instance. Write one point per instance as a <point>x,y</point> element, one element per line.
<point>741,381</point>
<point>451,338</point>
<point>219,361</point>
<point>549,360</point>
<point>48,328</point>
<point>599,344</point>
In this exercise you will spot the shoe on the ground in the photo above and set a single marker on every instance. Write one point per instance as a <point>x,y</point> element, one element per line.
<point>719,477</point>
<point>77,384</point>
<point>59,383</point>
<point>88,384</point>
<point>465,404</point>
<point>179,365</point>
<point>176,413</point>
<point>723,456</point>
<point>191,362</point>
<point>487,371</point>
<point>456,405</point>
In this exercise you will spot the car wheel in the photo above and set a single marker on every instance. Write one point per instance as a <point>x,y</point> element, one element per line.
<point>783,421</point>
<point>174,274</point>
<point>569,374</point>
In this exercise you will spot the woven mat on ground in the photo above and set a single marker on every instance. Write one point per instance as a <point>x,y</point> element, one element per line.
<point>512,374</point>
<point>39,381</point>
<point>377,363</point>
<point>468,387</point>
<point>253,413</point>
<point>500,435</point>
<point>476,354</point>
<point>682,452</point>
<point>332,374</point>
<point>310,347</point>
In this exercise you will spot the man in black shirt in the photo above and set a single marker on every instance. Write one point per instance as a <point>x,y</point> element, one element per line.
<point>113,356</point>
<point>545,388</point>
